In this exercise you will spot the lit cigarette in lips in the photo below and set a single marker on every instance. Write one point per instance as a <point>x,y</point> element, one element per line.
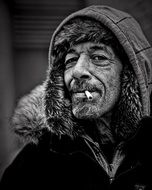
<point>88,95</point>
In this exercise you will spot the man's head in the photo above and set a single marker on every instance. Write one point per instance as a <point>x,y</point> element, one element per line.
<point>92,67</point>
<point>92,59</point>
<point>113,77</point>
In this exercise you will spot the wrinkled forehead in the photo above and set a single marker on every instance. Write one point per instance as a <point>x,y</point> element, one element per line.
<point>91,47</point>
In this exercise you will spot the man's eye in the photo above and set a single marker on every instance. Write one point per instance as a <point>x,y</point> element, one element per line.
<point>98,57</point>
<point>70,62</point>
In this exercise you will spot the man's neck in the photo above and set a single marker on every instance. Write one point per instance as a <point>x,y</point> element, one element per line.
<point>104,128</point>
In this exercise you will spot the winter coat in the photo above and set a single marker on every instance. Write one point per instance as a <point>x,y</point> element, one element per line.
<point>57,154</point>
<point>71,165</point>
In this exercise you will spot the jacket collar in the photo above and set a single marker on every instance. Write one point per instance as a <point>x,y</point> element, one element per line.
<point>134,149</point>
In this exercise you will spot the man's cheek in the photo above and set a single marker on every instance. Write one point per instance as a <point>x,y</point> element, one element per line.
<point>113,81</point>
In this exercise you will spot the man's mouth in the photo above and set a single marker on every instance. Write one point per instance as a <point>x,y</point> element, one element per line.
<point>79,94</point>
<point>86,93</point>
<point>89,95</point>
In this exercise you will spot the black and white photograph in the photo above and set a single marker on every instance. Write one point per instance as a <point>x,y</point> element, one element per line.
<point>76,94</point>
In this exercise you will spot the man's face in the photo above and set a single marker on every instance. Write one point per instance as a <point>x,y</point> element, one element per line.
<point>95,68</point>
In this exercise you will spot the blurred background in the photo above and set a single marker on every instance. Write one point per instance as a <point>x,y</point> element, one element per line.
<point>26,27</point>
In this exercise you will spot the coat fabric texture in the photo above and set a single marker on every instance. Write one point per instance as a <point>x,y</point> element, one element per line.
<point>58,152</point>
<point>71,165</point>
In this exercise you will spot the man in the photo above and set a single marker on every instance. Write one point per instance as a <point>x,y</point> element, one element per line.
<point>88,125</point>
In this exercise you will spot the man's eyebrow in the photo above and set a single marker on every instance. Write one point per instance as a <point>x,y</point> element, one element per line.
<point>101,48</point>
<point>98,47</point>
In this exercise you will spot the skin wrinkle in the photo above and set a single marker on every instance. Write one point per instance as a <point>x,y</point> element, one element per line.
<point>104,74</point>
<point>90,50</point>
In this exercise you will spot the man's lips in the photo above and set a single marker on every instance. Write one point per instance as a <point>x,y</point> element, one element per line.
<point>83,95</point>
<point>83,89</point>
<point>80,94</point>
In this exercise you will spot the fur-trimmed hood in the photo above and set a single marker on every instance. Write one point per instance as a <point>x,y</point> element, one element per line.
<point>46,109</point>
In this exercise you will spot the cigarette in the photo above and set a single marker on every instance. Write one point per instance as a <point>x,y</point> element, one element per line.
<point>88,94</point>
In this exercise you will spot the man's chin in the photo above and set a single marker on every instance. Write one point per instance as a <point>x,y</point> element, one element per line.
<point>85,112</point>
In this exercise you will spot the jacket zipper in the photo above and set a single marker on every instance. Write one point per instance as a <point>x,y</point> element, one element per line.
<point>101,159</point>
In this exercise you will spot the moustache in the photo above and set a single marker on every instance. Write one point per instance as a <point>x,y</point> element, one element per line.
<point>77,87</point>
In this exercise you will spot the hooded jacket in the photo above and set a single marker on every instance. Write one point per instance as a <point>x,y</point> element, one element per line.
<point>52,138</point>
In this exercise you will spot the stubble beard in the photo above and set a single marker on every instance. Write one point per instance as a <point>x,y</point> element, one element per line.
<point>85,109</point>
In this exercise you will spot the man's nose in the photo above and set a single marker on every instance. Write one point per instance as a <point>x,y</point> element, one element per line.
<point>80,70</point>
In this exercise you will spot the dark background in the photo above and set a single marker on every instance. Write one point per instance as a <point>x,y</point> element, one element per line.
<point>26,27</point>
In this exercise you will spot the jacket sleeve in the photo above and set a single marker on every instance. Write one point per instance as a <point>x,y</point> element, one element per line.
<point>16,173</point>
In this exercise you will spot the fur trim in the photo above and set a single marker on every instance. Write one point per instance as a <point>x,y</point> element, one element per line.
<point>57,107</point>
<point>29,121</point>
<point>128,113</point>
